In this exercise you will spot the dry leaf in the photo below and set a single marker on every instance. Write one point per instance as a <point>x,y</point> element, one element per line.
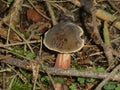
<point>34,15</point>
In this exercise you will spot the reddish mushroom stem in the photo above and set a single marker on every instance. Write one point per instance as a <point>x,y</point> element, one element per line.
<point>63,60</point>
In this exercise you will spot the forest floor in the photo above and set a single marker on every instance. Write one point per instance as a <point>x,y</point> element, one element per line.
<point>27,64</point>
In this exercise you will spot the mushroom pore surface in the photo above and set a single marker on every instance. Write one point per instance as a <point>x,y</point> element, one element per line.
<point>64,38</point>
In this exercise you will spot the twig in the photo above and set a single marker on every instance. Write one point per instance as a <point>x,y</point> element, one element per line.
<point>112,74</point>
<point>36,66</point>
<point>77,73</point>
<point>35,72</point>
<point>20,43</point>
<point>50,78</point>
<point>108,48</point>
<point>67,15</point>
<point>10,85</point>
<point>9,29</point>
<point>5,70</point>
<point>54,21</point>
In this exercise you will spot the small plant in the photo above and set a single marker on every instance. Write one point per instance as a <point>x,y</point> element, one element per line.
<point>60,80</point>
<point>85,80</point>
<point>30,54</point>
<point>118,87</point>
<point>9,2</point>
<point>76,66</point>
<point>45,81</point>
<point>99,69</point>
<point>90,80</point>
<point>81,80</point>
<point>72,87</point>
<point>110,86</point>
<point>21,51</point>
<point>19,85</point>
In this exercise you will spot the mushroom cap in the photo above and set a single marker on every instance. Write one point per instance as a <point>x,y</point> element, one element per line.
<point>64,38</point>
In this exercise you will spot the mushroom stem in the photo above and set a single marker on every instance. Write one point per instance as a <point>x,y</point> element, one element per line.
<point>63,60</point>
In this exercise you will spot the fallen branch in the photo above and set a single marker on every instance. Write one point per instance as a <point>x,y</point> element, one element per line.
<point>65,72</point>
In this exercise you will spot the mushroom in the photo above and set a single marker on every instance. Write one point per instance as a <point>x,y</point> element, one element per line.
<point>64,38</point>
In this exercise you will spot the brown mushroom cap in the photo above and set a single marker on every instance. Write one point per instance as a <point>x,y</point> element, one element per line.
<point>64,38</point>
